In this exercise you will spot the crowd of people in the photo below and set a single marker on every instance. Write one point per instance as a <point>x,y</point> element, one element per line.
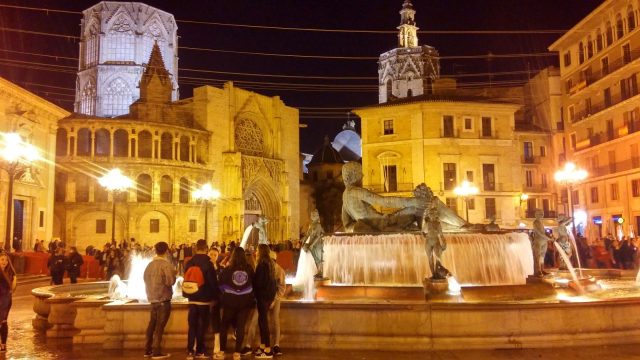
<point>226,289</point>
<point>603,253</point>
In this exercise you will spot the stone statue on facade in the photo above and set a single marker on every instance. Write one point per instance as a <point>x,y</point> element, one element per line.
<point>435,242</point>
<point>262,231</point>
<point>539,244</point>
<point>313,241</point>
<point>359,212</point>
<point>563,239</point>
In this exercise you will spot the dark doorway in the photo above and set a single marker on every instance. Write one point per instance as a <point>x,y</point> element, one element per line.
<point>18,221</point>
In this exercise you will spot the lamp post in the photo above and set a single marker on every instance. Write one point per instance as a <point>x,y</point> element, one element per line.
<point>17,155</point>
<point>206,193</point>
<point>114,181</point>
<point>568,176</point>
<point>466,190</point>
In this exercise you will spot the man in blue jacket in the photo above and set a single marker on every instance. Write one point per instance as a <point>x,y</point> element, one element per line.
<point>201,300</point>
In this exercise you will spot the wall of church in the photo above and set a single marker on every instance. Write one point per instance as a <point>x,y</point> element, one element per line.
<point>35,119</point>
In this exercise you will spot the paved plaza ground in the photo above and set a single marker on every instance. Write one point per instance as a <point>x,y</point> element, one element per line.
<point>24,343</point>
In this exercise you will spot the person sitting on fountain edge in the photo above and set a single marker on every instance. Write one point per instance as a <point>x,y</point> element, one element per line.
<point>199,270</point>
<point>159,277</point>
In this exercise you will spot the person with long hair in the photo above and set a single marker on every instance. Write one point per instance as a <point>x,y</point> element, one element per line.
<point>265,285</point>
<point>236,285</point>
<point>7,286</point>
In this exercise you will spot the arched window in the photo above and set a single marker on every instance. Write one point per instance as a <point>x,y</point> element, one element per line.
<point>619,27</point>
<point>120,143</point>
<point>117,98</point>
<point>100,194</point>
<point>103,143</point>
<point>184,148</point>
<point>184,190</point>
<point>82,188</point>
<point>581,53</point>
<point>144,186</point>
<point>609,34</point>
<point>145,144</point>
<point>88,99</point>
<point>84,142</point>
<point>389,90</point>
<point>61,142</point>
<point>166,189</point>
<point>589,48</point>
<point>599,41</point>
<point>631,18</point>
<point>166,146</point>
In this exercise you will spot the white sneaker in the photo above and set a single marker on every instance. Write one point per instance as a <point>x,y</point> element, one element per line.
<point>219,355</point>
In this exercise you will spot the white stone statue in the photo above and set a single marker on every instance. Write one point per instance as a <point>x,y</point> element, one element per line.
<point>262,231</point>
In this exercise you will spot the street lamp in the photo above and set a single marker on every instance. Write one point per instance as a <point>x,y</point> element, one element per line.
<point>206,193</point>
<point>523,197</point>
<point>114,181</point>
<point>466,190</point>
<point>568,176</point>
<point>17,155</point>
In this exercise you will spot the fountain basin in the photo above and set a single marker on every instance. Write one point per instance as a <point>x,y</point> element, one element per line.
<point>385,318</point>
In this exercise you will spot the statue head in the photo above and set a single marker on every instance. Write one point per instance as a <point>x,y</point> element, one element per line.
<point>352,173</point>
<point>315,216</point>
<point>422,191</point>
<point>262,221</point>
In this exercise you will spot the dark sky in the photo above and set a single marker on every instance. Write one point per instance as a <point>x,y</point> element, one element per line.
<point>323,110</point>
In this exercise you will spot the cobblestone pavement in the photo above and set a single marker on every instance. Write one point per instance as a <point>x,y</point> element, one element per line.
<point>24,343</point>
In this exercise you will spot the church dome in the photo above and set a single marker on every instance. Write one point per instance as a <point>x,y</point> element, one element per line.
<point>348,143</point>
<point>326,154</point>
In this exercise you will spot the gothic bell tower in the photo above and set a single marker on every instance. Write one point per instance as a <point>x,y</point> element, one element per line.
<point>408,70</point>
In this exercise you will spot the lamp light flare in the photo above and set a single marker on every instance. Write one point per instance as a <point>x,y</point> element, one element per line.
<point>206,192</point>
<point>114,180</point>
<point>465,189</point>
<point>14,149</point>
<point>570,173</point>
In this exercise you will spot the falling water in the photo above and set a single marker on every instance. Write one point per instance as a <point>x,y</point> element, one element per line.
<point>400,259</point>
<point>135,288</point>
<point>305,275</point>
<point>245,236</point>
<point>575,248</point>
<point>572,270</point>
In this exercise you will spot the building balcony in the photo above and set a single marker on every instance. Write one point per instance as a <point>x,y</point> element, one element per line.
<point>536,188</point>
<point>616,167</point>
<point>604,137</point>
<point>548,214</point>
<point>530,159</point>
<point>584,81</point>
<point>390,188</point>
<point>597,108</point>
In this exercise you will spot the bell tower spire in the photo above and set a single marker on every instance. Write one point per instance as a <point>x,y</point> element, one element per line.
<point>408,31</point>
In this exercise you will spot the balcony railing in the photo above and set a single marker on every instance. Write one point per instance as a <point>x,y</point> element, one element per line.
<point>598,107</point>
<point>549,214</point>
<point>583,81</point>
<point>616,167</point>
<point>381,188</point>
<point>603,137</point>
<point>530,159</point>
<point>536,188</point>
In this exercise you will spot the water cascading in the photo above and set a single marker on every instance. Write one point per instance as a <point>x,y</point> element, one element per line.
<point>245,236</point>
<point>134,288</point>
<point>400,259</point>
<point>305,273</point>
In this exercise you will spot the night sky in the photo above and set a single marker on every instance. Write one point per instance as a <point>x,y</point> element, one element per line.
<point>324,103</point>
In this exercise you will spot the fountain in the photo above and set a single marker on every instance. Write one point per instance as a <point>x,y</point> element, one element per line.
<point>376,300</point>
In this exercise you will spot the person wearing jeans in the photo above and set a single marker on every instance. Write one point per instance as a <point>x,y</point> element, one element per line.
<point>265,286</point>
<point>159,277</point>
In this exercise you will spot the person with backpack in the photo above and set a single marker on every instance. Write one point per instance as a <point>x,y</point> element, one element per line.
<point>200,288</point>
<point>57,265</point>
<point>236,285</point>
<point>265,287</point>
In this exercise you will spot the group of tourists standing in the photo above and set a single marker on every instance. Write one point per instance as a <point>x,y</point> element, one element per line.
<point>242,292</point>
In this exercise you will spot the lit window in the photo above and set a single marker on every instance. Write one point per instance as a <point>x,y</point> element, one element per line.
<point>388,127</point>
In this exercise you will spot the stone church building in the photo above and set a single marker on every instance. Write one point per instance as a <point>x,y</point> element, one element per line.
<point>245,144</point>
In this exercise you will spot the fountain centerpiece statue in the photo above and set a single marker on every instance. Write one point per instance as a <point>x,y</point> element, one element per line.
<point>563,239</point>
<point>539,244</point>
<point>313,242</point>
<point>435,242</point>
<point>359,213</point>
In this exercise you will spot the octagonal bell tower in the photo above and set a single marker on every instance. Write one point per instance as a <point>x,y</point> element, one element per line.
<point>410,69</point>
<point>115,43</point>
